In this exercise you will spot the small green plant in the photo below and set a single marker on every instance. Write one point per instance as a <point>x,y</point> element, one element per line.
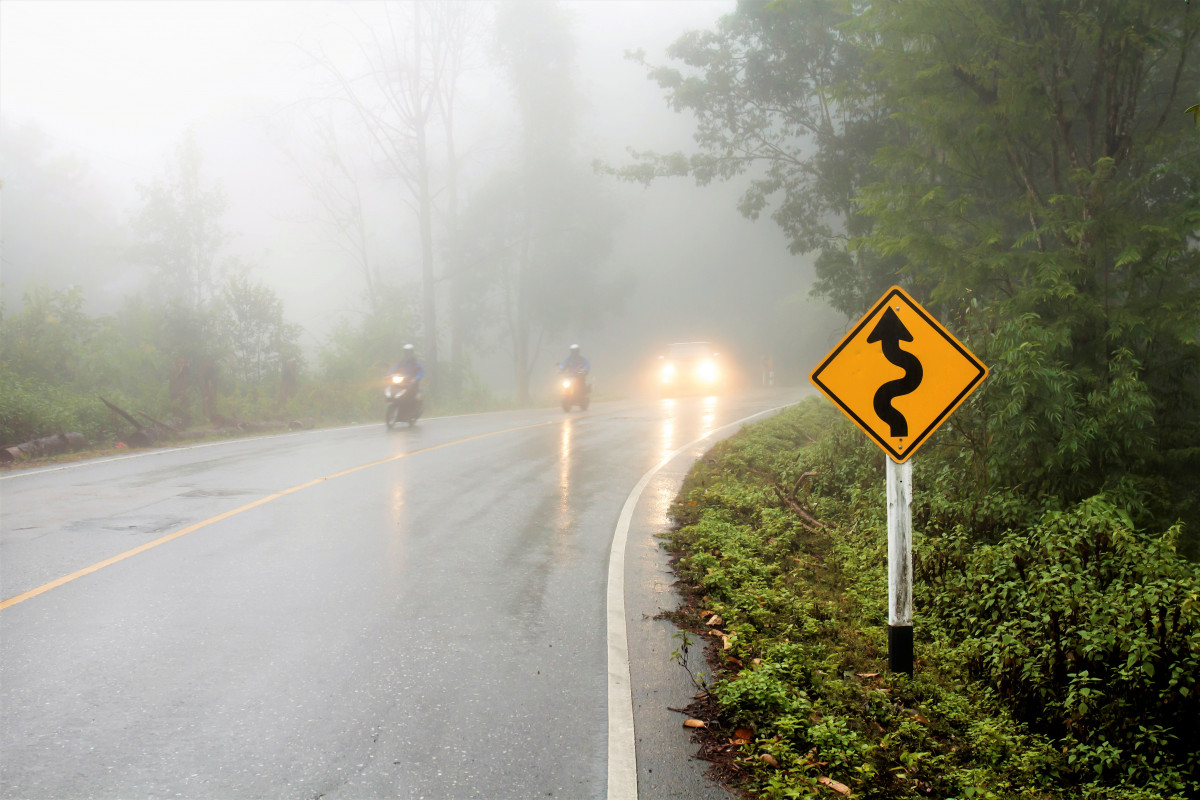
<point>1057,647</point>
<point>680,656</point>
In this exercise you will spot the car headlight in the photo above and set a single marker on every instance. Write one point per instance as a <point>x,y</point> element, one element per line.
<point>668,372</point>
<point>707,371</point>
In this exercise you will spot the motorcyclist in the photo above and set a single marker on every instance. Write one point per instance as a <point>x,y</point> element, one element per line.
<point>408,366</point>
<point>404,392</point>
<point>575,362</point>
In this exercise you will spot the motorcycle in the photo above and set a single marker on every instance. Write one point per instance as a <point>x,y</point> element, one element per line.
<point>403,400</point>
<point>575,391</point>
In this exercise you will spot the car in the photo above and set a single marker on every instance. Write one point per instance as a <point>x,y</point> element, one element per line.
<point>690,367</point>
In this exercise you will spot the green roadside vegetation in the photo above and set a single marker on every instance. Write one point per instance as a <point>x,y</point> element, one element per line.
<point>1057,643</point>
<point>1026,171</point>
<point>235,358</point>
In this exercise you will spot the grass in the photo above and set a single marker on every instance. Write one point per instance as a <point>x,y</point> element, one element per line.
<point>782,536</point>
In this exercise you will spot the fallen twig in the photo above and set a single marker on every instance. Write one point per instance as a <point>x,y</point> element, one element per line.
<point>160,424</point>
<point>810,522</point>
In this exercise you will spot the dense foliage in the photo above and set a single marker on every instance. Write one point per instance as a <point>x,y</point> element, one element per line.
<point>57,361</point>
<point>1057,650</point>
<point>1026,169</point>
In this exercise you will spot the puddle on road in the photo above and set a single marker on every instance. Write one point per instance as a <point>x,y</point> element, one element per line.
<point>130,524</point>
<point>145,525</point>
<point>219,493</point>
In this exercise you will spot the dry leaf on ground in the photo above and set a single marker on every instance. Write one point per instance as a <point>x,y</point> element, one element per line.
<point>840,788</point>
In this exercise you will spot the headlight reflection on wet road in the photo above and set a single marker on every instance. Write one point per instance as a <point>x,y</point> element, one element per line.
<point>709,407</point>
<point>398,522</point>
<point>564,473</point>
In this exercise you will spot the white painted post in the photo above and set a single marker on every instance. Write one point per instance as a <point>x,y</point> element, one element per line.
<point>900,609</point>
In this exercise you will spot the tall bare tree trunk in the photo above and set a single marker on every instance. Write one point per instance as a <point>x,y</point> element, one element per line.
<point>454,246</point>
<point>335,187</point>
<point>424,202</point>
<point>413,60</point>
<point>521,331</point>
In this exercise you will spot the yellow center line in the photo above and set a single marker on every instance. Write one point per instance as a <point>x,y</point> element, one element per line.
<point>108,562</point>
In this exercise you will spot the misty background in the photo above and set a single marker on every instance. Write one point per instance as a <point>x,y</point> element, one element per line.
<point>99,99</point>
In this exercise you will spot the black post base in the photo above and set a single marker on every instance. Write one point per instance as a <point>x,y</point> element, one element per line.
<point>900,649</point>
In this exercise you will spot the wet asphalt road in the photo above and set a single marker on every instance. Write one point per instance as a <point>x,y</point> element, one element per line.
<point>346,613</point>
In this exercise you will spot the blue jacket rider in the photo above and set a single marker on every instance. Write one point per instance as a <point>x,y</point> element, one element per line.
<point>408,366</point>
<point>574,362</point>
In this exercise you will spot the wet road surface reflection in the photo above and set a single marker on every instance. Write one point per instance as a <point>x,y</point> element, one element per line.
<point>566,438</point>
<point>397,528</point>
<point>683,420</point>
<point>709,407</point>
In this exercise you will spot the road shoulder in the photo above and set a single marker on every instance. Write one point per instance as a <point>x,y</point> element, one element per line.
<point>666,763</point>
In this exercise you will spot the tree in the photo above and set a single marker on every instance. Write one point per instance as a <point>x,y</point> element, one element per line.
<point>779,95</point>
<point>545,227</point>
<point>179,230</point>
<point>1023,167</point>
<point>48,339</point>
<point>56,229</point>
<point>258,338</point>
<point>403,98</point>
<point>181,238</point>
<point>335,183</point>
<point>537,269</point>
<point>461,27</point>
<point>208,313</point>
<point>361,351</point>
<point>1045,171</point>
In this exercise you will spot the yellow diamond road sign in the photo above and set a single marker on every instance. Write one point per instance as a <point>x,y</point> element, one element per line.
<point>898,374</point>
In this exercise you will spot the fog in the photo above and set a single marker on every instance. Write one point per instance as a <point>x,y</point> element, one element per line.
<point>110,90</point>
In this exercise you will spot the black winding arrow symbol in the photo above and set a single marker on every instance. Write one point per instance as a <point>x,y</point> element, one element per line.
<point>891,332</point>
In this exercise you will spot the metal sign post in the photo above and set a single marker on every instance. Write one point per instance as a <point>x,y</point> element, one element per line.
<point>900,606</point>
<point>898,374</point>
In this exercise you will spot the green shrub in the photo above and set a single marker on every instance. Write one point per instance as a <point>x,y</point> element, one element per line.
<point>30,409</point>
<point>1056,647</point>
<point>1090,632</point>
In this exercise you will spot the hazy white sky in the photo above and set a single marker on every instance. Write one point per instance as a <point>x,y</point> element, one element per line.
<point>114,78</point>
<point>120,80</point>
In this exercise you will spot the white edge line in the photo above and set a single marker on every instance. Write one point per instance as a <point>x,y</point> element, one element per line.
<point>159,451</point>
<point>622,750</point>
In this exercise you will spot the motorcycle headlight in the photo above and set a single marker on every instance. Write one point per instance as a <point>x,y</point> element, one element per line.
<point>397,379</point>
<point>707,371</point>
<point>566,383</point>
